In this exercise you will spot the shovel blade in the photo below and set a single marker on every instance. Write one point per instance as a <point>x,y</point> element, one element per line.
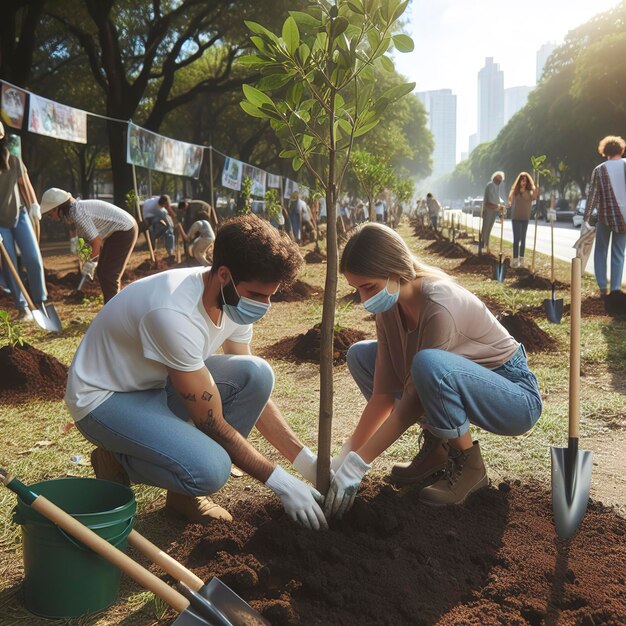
<point>571,480</point>
<point>47,318</point>
<point>236,610</point>
<point>554,310</point>
<point>189,618</point>
<point>499,272</point>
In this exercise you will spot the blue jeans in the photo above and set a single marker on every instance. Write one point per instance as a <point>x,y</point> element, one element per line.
<point>154,439</point>
<point>295,225</point>
<point>23,235</point>
<point>519,237</point>
<point>603,235</point>
<point>455,391</point>
<point>433,221</point>
<point>158,229</point>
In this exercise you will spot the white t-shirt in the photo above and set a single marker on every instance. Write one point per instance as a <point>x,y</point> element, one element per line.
<point>201,228</point>
<point>617,176</point>
<point>151,208</point>
<point>155,322</point>
<point>380,207</point>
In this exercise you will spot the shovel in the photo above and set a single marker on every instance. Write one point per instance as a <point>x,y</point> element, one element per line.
<point>46,317</point>
<point>571,467</point>
<point>197,604</point>
<point>554,308</point>
<point>499,267</point>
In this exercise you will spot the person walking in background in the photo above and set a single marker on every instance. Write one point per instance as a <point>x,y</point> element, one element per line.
<point>110,231</point>
<point>523,192</point>
<point>607,194</point>
<point>296,208</point>
<point>434,209</point>
<point>492,205</point>
<point>16,228</point>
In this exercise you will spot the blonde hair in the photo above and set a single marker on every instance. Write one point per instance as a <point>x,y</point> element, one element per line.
<point>515,189</point>
<point>377,251</point>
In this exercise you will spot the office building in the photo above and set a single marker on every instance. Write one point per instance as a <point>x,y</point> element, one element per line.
<point>440,105</point>
<point>542,56</point>
<point>514,99</point>
<point>490,101</point>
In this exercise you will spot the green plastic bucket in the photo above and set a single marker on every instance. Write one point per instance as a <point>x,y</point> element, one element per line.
<point>62,577</point>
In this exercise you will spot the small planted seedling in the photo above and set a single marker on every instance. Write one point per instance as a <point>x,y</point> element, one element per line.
<point>11,329</point>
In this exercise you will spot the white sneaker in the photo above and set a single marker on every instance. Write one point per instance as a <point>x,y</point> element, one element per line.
<point>25,316</point>
<point>515,263</point>
<point>520,262</point>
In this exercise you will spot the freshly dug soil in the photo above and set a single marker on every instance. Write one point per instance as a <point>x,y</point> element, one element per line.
<point>475,264</point>
<point>26,372</point>
<point>425,232</point>
<point>296,291</point>
<point>526,280</point>
<point>448,249</point>
<point>392,561</point>
<point>523,328</point>
<point>314,256</point>
<point>306,346</point>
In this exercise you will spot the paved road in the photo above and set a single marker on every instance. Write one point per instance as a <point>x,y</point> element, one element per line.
<point>564,237</point>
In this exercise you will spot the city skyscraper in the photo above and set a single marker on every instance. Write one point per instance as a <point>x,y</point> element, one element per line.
<point>542,56</point>
<point>440,105</point>
<point>514,99</point>
<point>490,101</point>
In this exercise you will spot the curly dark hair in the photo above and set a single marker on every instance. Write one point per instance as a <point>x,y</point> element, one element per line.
<point>253,249</point>
<point>611,146</point>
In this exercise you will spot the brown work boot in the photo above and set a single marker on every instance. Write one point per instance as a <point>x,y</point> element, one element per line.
<point>107,467</point>
<point>198,509</point>
<point>431,458</point>
<point>465,474</point>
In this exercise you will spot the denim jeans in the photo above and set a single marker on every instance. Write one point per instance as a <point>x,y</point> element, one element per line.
<point>295,225</point>
<point>519,237</point>
<point>154,439</point>
<point>23,235</point>
<point>455,391</point>
<point>603,235</point>
<point>158,229</point>
<point>433,221</point>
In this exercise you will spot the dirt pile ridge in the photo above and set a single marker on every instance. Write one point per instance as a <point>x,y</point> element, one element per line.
<point>494,560</point>
<point>524,329</point>
<point>314,256</point>
<point>448,249</point>
<point>526,280</point>
<point>297,291</point>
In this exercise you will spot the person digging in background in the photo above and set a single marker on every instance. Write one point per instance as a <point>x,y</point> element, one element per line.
<point>148,388</point>
<point>202,236</point>
<point>159,215</point>
<point>434,209</point>
<point>110,231</point>
<point>441,359</point>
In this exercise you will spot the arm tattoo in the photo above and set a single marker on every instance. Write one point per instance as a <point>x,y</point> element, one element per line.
<point>207,396</point>
<point>190,397</point>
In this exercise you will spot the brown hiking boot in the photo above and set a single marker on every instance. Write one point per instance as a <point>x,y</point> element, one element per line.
<point>107,467</point>
<point>198,509</point>
<point>431,458</point>
<point>465,474</point>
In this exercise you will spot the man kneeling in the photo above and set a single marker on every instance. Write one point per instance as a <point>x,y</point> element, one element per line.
<point>147,387</point>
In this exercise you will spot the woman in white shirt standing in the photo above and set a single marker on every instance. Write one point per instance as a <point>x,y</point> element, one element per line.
<point>110,231</point>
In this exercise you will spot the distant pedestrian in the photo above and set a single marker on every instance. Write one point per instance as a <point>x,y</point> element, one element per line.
<point>434,209</point>
<point>521,198</point>
<point>607,194</point>
<point>202,236</point>
<point>492,205</point>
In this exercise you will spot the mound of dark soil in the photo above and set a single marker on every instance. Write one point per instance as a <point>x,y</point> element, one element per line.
<point>297,291</point>
<point>522,326</point>
<point>526,280</point>
<point>475,260</point>
<point>306,346</point>
<point>314,256</point>
<point>494,560</point>
<point>448,249</point>
<point>27,372</point>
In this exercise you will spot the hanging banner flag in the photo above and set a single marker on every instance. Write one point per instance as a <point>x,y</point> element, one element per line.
<point>156,152</point>
<point>56,120</point>
<point>232,174</point>
<point>14,144</point>
<point>13,103</point>
<point>290,187</point>
<point>273,181</point>
<point>258,178</point>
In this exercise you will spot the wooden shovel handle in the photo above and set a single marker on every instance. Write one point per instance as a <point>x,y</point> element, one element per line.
<point>164,561</point>
<point>16,276</point>
<point>574,363</point>
<point>552,252</point>
<point>99,545</point>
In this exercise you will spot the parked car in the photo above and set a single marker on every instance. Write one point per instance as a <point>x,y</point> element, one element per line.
<point>578,217</point>
<point>473,206</point>
<point>564,213</point>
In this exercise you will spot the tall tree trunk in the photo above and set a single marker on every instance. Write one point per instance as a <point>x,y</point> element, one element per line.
<point>121,171</point>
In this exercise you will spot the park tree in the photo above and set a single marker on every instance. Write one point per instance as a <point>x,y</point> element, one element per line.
<point>317,91</point>
<point>373,174</point>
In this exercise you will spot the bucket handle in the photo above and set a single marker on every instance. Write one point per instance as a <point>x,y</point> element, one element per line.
<point>114,541</point>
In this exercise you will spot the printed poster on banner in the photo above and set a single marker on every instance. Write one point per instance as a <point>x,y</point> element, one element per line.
<point>273,181</point>
<point>258,178</point>
<point>13,104</point>
<point>156,152</point>
<point>232,174</point>
<point>290,187</point>
<point>56,120</point>
<point>14,144</point>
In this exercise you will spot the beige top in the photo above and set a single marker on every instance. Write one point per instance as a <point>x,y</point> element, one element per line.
<point>521,205</point>
<point>450,318</point>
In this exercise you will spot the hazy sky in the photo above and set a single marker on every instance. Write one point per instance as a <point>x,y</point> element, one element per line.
<point>453,37</point>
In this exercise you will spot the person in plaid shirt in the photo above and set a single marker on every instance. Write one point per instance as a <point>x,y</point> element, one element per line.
<point>607,194</point>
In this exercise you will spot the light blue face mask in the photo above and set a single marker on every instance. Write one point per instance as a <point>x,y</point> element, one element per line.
<point>246,311</point>
<point>383,300</point>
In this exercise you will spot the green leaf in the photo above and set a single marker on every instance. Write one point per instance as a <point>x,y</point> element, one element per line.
<point>399,91</point>
<point>387,64</point>
<point>257,29</point>
<point>274,81</point>
<point>305,19</point>
<point>288,153</point>
<point>256,96</point>
<point>356,6</point>
<point>399,10</point>
<point>373,39</point>
<point>297,163</point>
<point>251,109</point>
<point>403,43</point>
<point>303,53</point>
<point>365,128</point>
<point>340,25</point>
<point>291,35</point>
<point>251,60</point>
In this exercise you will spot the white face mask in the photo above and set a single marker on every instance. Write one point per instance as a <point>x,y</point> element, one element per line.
<point>383,300</point>
<point>246,311</point>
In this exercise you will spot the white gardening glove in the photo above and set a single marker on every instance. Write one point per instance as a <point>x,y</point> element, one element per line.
<point>301,502</point>
<point>344,485</point>
<point>74,245</point>
<point>551,215</point>
<point>89,269</point>
<point>585,228</point>
<point>306,464</point>
<point>35,211</point>
<point>336,461</point>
